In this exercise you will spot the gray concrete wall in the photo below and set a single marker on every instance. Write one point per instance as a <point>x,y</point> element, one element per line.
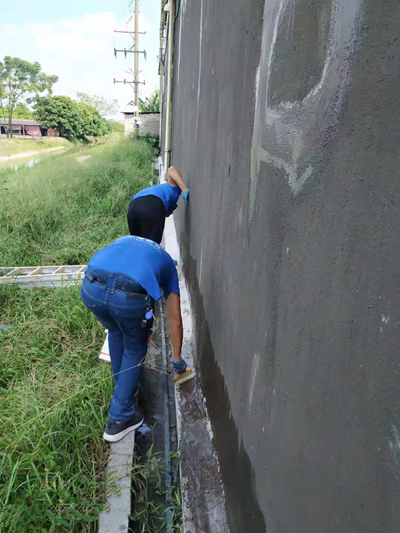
<point>286,126</point>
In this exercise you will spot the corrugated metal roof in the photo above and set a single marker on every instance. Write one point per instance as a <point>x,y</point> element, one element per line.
<point>141,112</point>
<point>20,121</point>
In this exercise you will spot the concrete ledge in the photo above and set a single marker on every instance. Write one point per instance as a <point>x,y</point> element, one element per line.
<point>115,517</point>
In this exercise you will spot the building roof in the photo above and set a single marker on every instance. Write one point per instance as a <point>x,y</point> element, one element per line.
<point>141,112</point>
<point>20,121</point>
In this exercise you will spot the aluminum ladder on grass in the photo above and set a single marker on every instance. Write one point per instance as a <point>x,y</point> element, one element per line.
<point>42,276</point>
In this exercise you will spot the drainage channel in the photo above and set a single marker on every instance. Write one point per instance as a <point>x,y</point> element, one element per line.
<point>156,442</point>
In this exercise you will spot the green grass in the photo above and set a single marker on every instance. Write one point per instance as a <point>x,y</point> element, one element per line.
<point>54,391</point>
<point>54,398</point>
<point>18,145</point>
<point>61,211</point>
<point>148,487</point>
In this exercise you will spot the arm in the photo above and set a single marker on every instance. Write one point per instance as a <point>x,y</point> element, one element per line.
<point>175,324</point>
<point>175,179</point>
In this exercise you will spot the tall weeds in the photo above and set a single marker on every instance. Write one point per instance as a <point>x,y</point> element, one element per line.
<point>54,393</point>
<point>54,400</point>
<point>62,210</point>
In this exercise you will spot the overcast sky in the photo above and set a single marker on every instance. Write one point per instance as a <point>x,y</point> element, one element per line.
<point>75,40</point>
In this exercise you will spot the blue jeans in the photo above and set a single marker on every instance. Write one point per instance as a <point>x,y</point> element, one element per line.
<point>122,314</point>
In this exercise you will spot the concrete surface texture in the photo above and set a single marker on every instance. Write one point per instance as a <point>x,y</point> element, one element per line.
<point>115,517</point>
<point>286,127</point>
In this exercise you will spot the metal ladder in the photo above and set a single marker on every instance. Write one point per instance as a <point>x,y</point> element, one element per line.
<point>48,276</point>
<point>42,276</point>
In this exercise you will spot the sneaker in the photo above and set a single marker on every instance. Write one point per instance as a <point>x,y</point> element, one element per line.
<point>115,431</point>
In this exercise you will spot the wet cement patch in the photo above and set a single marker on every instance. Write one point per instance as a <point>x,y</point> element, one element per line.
<point>243,510</point>
<point>202,490</point>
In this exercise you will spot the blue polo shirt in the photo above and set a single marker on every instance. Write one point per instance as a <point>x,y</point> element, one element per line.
<point>140,260</point>
<point>168,194</point>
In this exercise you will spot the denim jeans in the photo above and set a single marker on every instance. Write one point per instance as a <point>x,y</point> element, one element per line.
<point>121,313</point>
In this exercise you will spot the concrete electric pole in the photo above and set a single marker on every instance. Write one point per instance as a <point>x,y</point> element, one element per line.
<point>136,56</point>
<point>134,49</point>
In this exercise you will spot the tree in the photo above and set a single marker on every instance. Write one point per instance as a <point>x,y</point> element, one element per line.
<point>73,120</point>
<point>21,110</point>
<point>104,106</point>
<point>3,111</point>
<point>21,80</point>
<point>151,103</point>
<point>92,123</point>
<point>61,113</point>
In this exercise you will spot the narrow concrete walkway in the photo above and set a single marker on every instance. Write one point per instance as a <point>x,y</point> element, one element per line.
<point>203,495</point>
<point>115,516</point>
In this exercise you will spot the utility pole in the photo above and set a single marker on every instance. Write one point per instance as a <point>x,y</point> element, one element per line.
<point>136,56</point>
<point>135,51</point>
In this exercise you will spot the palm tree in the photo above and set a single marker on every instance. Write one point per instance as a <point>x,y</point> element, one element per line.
<point>151,103</point>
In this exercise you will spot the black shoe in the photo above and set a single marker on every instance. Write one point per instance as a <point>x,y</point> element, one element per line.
<point>115,431</point>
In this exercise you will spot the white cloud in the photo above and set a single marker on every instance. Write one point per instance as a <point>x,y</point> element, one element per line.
<point>81,53</point>
<point>10,31</point>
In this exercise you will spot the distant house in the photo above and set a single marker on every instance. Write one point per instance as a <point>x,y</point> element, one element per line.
<point>149,122</point>
<point>22,126</point>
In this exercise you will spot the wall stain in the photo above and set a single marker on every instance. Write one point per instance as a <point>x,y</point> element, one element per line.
<point>243,510</point>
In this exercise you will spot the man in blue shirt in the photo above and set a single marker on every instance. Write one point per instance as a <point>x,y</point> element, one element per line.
<point>148,208</point>
<point>121,284</point>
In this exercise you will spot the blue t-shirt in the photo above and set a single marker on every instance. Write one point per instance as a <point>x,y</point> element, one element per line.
<point>140,260</point>
<point>168,194</point>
